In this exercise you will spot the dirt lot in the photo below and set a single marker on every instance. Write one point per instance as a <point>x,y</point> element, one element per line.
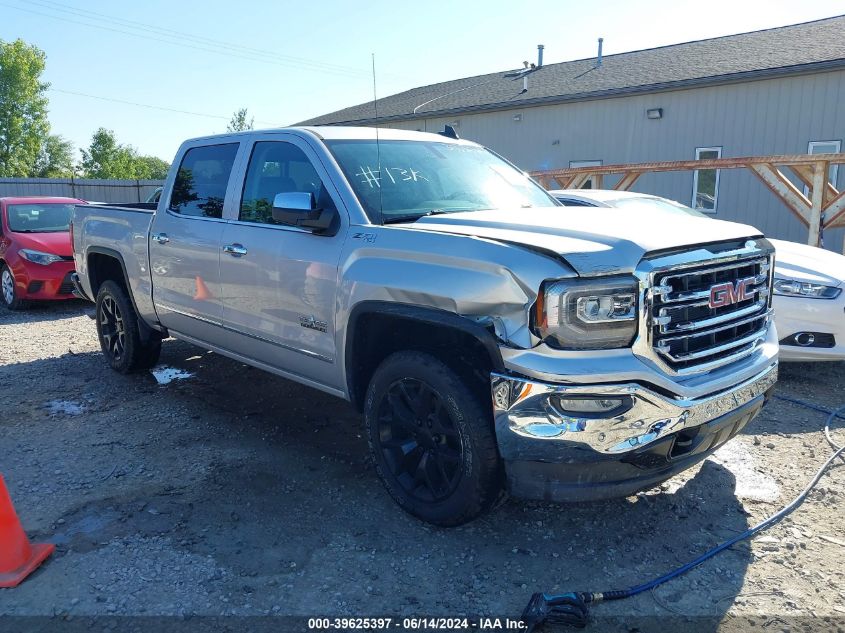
<point>228,491</point>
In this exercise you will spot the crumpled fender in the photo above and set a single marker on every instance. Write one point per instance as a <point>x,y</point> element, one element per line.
<point>483,280</point>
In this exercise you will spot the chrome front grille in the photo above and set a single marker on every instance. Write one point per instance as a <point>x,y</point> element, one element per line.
<point>688,334</point>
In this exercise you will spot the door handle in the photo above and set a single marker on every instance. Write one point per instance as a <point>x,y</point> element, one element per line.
<point>235,250</point>
<point>160,238</point>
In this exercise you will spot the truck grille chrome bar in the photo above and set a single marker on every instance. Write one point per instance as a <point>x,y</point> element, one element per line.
<point>691,332</point>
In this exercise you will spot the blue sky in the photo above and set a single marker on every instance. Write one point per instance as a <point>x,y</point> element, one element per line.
<point>287,61</point>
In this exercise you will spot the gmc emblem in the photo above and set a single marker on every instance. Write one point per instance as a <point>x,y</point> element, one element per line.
<point>726,294</point>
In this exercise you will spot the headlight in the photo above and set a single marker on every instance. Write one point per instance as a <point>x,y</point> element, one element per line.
<point>37,257</point>
<point>793,288</point>
<point>588,313</point>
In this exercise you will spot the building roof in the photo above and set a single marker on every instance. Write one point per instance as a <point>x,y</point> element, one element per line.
<point>810,46</point>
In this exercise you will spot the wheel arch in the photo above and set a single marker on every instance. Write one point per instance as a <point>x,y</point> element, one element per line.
<point>375,329</point>
<point>104,264</point>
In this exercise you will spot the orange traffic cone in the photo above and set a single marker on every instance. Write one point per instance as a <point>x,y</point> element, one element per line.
<point>18,557</point>
<point>203,293</point>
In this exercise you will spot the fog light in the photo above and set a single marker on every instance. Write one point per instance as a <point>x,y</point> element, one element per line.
<point>502,395</point>
<point>805,339</point>
<point>591,407</point>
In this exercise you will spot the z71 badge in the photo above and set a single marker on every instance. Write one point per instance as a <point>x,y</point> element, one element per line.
<point>313,324</point>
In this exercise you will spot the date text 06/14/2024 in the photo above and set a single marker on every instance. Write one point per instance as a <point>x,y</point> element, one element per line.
<point>415,624</point>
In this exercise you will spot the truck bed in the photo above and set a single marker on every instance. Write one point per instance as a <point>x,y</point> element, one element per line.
<point>120,231</point>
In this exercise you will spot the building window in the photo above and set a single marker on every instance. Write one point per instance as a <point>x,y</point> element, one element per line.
<point>705,182</point>
<point>825,147</point>
<point>588,184</point>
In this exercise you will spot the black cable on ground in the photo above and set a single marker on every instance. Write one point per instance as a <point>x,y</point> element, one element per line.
<point>572,609</point>
<point>810,405</point>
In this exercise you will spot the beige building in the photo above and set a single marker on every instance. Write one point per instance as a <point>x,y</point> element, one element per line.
<point>778,91</point>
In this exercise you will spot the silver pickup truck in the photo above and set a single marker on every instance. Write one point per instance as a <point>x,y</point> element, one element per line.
<point>493,340</point>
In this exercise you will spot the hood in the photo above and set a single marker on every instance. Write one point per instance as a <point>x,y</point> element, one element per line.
<point>808,263</point>
<point>593,240</point>
<point>57,243</point>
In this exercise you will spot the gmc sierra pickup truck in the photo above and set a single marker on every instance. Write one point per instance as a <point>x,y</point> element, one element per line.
<point>494,340</point>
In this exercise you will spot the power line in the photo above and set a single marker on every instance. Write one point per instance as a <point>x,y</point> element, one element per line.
<point>150,106</point>
<point>159,30</point>
<point>315,66</point>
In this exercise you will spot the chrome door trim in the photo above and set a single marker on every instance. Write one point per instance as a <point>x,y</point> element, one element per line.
<point>304,352</point>
<point>170,308</point>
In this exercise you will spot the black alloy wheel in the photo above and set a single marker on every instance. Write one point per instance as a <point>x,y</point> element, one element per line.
<point>419,440</point>
<point>112,329</point>
<point>430,432</point>
<point>119,331</point>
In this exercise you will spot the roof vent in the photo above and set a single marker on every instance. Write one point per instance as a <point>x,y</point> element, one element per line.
<point>540,48</point>
<point>598,57</point>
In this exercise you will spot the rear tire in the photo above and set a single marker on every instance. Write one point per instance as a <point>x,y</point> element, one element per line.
<point>432,440</point>
<point>9,291</point>
<point>119,332</point>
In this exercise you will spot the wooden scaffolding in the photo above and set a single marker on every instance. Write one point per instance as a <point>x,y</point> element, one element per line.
<point>823,207</point>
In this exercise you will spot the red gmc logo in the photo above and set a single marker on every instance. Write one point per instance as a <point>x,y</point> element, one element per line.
<point>726,294</point>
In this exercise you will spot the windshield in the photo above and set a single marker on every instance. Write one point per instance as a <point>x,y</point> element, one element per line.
<point>39,218</point>
<point>420,178</point>
<point>661,204</point>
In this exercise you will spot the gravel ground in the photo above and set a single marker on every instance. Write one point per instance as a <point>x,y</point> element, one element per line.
<point>212,489</point>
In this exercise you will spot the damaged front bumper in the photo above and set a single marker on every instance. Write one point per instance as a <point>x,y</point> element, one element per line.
<point>643,439</point>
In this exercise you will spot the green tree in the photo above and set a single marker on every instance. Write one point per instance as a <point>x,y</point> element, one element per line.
<point>24,127</point>
<point>106,158</point>
<point>239,122</point>
<point>55,160</point>
<point>152,168</point>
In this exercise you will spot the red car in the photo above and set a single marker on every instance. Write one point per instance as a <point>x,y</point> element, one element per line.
<point>36,256</point>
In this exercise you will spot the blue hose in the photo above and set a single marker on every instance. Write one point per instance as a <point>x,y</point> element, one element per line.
<point>571,608</point>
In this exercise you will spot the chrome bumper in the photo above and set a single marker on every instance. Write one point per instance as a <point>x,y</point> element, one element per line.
<point>529,427</point>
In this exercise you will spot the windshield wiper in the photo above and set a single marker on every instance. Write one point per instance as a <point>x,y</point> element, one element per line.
<point>408,217</point>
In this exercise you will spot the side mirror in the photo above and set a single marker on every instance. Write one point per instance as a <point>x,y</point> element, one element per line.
<point>298,208</point>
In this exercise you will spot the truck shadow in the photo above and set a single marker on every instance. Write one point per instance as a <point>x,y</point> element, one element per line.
<point>520,548</point>
<point>272,481</point>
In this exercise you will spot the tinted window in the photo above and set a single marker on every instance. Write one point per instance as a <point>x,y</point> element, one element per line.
<point>200,185</point>
<point>277,167</point>
<point>39,218</point>
<point>569,202</point>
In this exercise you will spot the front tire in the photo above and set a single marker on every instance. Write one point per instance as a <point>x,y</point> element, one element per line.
<point>432,440</point>
<point>119,332</point>
<point>8,290</point>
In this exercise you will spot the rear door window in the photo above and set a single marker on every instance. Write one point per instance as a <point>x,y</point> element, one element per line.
<point>200,186</point>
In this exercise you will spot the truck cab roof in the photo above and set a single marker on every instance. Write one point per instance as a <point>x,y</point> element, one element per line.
<point>341,132</point>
